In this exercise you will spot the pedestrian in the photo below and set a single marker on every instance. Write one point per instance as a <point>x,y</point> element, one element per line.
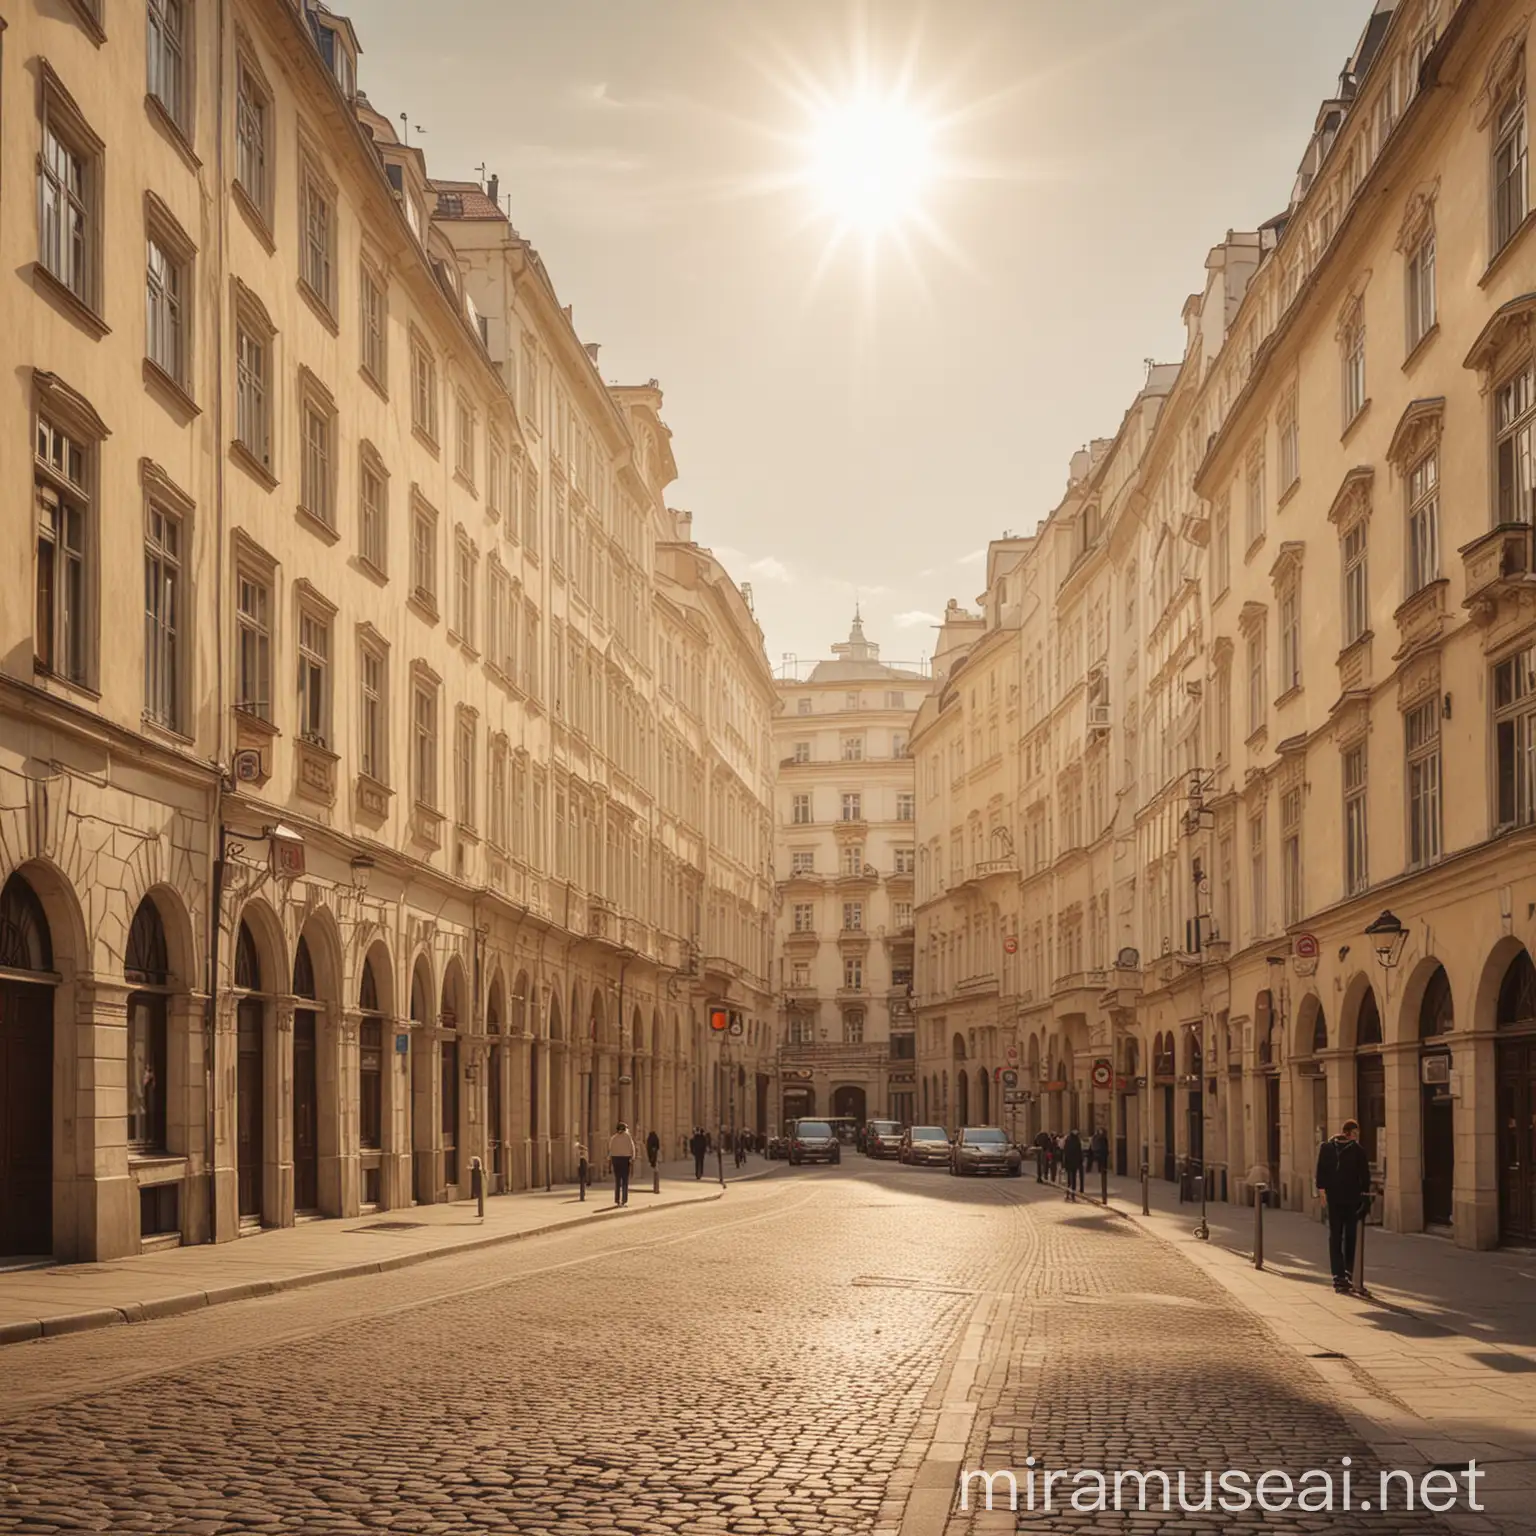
<point>1056,1151</point>
<point>621,1153</point>
<point>740,1149</point>
<point>1344,1182</point>
<point>1072,1160</point>
<point>699,1145</point>
<point>652,1147</point>
<point>1100,1149</point>
<point>1042,1146</point>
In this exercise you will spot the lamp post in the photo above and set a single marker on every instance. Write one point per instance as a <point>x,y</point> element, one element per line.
<point>1387,936</point>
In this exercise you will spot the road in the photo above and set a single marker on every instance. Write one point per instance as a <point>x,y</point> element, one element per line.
<point>775,1363</point>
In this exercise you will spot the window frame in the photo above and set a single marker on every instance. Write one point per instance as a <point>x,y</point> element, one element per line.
<point>424,553</point>
<point>1354,567</point>
<point>426,737</point>
<point>254,332</point>
<point>1516,716</point>
<point>178,108</point>
<point>1508,132</point>
<point>1421,296</point>
<point>373,328</point>
<point>314,650</point>
<point>255,105</point>
<point>1423,515</point>
<point>167,651</point>
<point>61,121</point>
<point>1512,502</point>
<point>1354,776</point>
<point>254,638</point>
<point>162,233</point>
<point>425,389</point>
<point>66,477</point>
<point>373,707</point>
<point>318,467</point>
<point>1423,782</point>
<point>1352,379</point>
<point>317,191</point>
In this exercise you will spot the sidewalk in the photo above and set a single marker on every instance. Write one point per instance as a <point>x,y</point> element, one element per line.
<point>45,1300</point>
<point>1438,1363</point>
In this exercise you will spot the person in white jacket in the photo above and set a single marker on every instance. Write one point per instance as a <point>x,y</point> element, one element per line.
<point>621,1153</point>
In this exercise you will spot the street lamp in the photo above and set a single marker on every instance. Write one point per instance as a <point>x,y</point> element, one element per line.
<point>1388,936</point>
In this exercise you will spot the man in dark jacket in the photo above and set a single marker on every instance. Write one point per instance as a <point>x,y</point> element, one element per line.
<point>1098,1151</point>
<point>1072,1161</point>
<point>1344,1182</point>
<point>652,1148</point>
<point>699,1145</point>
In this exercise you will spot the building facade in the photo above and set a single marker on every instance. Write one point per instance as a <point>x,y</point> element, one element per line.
<point>344,849</point>
<point>1292,600</point>
<point>845,857</point>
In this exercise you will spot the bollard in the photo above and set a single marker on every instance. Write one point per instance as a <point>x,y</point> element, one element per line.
<point>1104,1182</point>
<point>1146,1202</point>
<point>477,1185</point>
<point>549,1167</point>
<point>1260,1194</point>
<point>1357,1280</point>
<point>655,1178</point>
<point>581,1177</point>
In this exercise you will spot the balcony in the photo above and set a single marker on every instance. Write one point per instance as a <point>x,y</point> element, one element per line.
<point>984,984</point>
<point>852,828</point>
<point>988,868</point>
<point>802,940</point>
<point>866,878</point>
<point>1495,566</point>
<point>800,993</point>
<point>859,994</point>
<point>853,938</point>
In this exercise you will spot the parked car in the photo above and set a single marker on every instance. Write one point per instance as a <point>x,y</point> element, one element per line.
<point>985,1149</point>
<point>924,1144</point>
<point>814,1141</point>
<point>882,1138</point>
<point>778,1146</point>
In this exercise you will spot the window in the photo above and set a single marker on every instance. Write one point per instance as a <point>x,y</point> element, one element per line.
<point>424,556</point>
<point>898,744</point>
<point>895,701</point>
<point>63,577</point>
<point>464,768</point>
<point>317,468</point>
<point>853,749</point>
<point>1357,614</point>
<point>802,862</point>
<point>372,509</point>
<point>1289,432</point>
<point>167,58</point>
<point>802,706</point>
<point>1421,727</point>
<point>853,807</point>
<point>147,1086</point>
<point>1511,198</point>
<point>373,675</point>
<point>424,743</point>
<point>1514,415</point>
<point>906,861</point>
<point>423,390</point>
<point>1420,282</point>
<point>802,752</point>
<point>1356,871</point>
<point>1255,492</point>
<point>370,1084</point>
<point>805,917</point>
<point>68,194</point>
<point>163,602</point>
<point>1223,713</point>
<point>466,563</point>
<point>1353,348</point>
<point>317,254</point>
<point>1514,729</point>
<point>853,973</point>
<point>906,806</point>
<point>853,859</point>
<point>314,678</point>
<point>853,916</point>
<point>253,129</point>
<point>464,457</point>
<point>901,914</point>
<point>374,318</point>
<point>1290,635</point>
<point>1258,875</point>
<point>1221,548</point>
<point>1424,522</point>
<point>253,381</point>
<point>801,810</point>
<point>495,476</point>
<point>253,645</point>
<point>853,1025</point>
<point>850,701</point>
<point>1290,854</point>
<point>800,974</point>
<point>165,291</point>
<point>1256,696</point>
<point>531,509</point>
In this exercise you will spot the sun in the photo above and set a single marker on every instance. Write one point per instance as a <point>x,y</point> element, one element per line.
<point>870,160</point>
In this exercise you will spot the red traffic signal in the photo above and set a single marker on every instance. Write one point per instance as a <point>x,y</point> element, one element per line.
<point>719,1020</point>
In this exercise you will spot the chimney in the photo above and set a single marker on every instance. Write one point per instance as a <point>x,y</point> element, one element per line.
<point>592,352</point>
<point>493,191</point>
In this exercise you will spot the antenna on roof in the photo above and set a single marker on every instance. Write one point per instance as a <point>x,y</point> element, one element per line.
<point>480,169</point>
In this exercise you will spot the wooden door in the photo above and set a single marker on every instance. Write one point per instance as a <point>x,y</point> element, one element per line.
<point>306,1114</point>
<point>1371,1105</point>
<point>1439,1152</point>
<point>250,1105</point>
<point>1516,1073</point>
<point>26,1118</point>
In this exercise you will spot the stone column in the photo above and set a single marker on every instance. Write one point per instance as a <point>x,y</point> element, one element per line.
<point>426,1114</point>
<point>226,1178</point>
<point>395,1160</point>
<point>1403,1195</point>
<point>186,1129</point>
<point>1476,1203</point>
<point>277,1141</point>
<point>95,1212</point>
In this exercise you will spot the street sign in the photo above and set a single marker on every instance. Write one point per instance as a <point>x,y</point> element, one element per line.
<point>1103,1073</point>
<point>1013,1053</point>
<point>1010,1078</point>
<point>1305,946</point>
<point>737,1028</point>
<point>1010,945</point>
<point>719,1020</point>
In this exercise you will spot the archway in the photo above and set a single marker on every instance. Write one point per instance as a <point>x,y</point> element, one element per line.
<point>1437,1120</point>
<point>983,1096</point>
<point>259,969</point>
<point>1370,1079</point>
<point>26,1072</point>
<point>147,968</point>
<point>306,1084</point>
<point>448,1088</point>
<point>496,1066</point>
<point>848,1102</point>
<point>1515,1076</point>
<point>1311,1085</point>
<point>423,1058</point>
<point>962,1097</point>
<point>559,1067</point>
<point>373,1007</point>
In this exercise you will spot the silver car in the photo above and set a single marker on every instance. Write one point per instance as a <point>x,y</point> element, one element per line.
<point>985,1149</point>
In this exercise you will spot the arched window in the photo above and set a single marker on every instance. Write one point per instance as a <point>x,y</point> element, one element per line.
<point>146,961</point>
<point>147,967</point>
<point>303,971</point>
<point>247,961</point>
<point>1368,1031</point>
<point>1436,1013</point>
<point>1320,1031</point>
<point>368,990</point>
<point>25,944</point>
<point>370,1067</point>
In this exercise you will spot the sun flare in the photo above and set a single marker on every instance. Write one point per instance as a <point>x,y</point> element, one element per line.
<point>870,161</point>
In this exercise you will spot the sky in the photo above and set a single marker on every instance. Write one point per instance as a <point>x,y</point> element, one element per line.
<point>856,410</point>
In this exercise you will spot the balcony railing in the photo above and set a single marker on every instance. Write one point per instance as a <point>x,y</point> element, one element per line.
<point>1499,557</point>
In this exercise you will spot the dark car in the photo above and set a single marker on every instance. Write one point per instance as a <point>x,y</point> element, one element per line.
<point>924,1144</point>
<point>814,1141</point>
<point>985,1149</point>
<point>882,1138</point>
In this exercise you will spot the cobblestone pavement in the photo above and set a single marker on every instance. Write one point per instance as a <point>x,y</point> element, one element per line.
<point>770,1364</point>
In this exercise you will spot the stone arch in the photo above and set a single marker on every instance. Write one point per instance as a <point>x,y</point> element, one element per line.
<point>454,1012</point>
<point>519,1021</point>
<point>637,1031</point>
<point>1485,1006</point>
<point>957,1047</point>
<point>323,938</point>
<point>1516,1005</point>
<point>555,1024</point>
<point>423,992</point>
<point>1355,993</point>
<point>266,936</point>
<point>377,968</point>
<point>1310,1019</point>
<point>984,1095</point>
<point>180,938</point>
<point>496,1004</point>
<point>656,1033</point>
<point>1403,1026</point>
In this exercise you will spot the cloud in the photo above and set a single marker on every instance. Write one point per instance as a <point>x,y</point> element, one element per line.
<point>769,569</point>
<point>915,618</point>
<point>975,557</point>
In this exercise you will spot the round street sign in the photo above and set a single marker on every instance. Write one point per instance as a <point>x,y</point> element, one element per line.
<point>1010,1079</point>
<point>1103,1073</point>
<point>1010,945</point>
<point>1013,1053</point>
<point>1305,946</point>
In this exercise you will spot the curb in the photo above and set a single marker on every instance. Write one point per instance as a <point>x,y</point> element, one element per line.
<point>195,1301</point>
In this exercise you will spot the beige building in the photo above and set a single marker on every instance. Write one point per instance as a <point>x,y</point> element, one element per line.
<point>382,826</point>
<point>846,860</point>
<point>1313,538</point>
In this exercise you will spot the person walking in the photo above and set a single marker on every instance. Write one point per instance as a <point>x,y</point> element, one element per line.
<point>621,1153</point>
<point>1099,1148</point>
<point>1072,1161</point>
<point>652,1148</point>
<point>698,1145</point>
<point>1344,1182</point>
<point>1042,1156</point>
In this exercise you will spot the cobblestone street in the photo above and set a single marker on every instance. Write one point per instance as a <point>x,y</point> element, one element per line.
<point>771,1363</point>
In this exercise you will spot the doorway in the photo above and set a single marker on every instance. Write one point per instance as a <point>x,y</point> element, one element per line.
<point>1170,1153</point>
<point>1371,1104</point>
<point>1272,1129</point>
<point>26,1118</point>
<point>250,1099</point>
<point>1439,1144</point>
<point>306,1114</point>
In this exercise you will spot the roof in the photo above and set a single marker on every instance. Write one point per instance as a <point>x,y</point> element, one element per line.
<point>466,200</point>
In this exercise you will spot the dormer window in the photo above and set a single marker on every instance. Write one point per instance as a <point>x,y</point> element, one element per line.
<point>339,57</point>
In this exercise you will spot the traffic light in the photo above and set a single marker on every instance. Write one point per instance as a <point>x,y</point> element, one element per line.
<point>719,1019</point>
